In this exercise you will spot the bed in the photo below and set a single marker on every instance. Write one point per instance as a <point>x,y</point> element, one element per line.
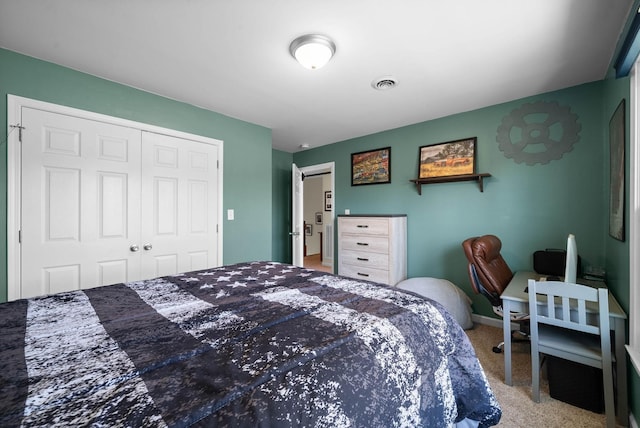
<point>246,345</point>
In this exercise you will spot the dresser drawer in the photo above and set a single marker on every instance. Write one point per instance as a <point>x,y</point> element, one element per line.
<point>364,226</point>
<point>361,272</point>
<point>373,247</point>
<point>359,258</point>
<point>376,244</point>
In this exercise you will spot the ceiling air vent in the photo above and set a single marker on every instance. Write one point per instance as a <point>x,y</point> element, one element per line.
<point>384,83</point>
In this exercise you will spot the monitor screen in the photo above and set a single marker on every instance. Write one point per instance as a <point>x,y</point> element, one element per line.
<point>571,266</point>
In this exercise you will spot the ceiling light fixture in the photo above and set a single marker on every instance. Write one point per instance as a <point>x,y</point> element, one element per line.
<point>313,51</point>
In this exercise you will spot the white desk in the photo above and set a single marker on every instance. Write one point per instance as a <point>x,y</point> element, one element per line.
<point>515,298</point>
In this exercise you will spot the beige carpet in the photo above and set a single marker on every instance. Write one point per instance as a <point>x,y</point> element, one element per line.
<point>518,409</point>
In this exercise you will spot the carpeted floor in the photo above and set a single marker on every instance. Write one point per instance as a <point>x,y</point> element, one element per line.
<point>518,409</point>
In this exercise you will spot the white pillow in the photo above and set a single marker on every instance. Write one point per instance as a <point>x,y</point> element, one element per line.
<point>444,292</point>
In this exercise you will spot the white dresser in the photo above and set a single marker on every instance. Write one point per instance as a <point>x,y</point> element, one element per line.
<point>373,247</point>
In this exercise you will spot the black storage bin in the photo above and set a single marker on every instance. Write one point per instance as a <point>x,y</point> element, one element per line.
<point>577,384</point>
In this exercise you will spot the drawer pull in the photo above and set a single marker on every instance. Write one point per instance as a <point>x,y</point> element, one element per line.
<point>364,226</point>
<point>363,274</point>
<point>363,244</point>
<point>363,259</point>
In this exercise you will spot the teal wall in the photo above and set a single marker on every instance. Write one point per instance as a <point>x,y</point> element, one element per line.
<point>529,207</point>
<point>281,206</point>
<point>247,147</point>
<point>617,252</point>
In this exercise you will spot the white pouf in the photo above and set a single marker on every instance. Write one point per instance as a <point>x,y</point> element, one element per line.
<point>444,292</point>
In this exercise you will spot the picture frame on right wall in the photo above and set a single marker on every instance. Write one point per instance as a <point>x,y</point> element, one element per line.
<point>448,159</point>
<point>617,172</point>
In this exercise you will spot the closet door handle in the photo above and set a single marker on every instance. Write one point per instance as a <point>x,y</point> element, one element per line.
<point>134,248</point>
<point>147,247</point>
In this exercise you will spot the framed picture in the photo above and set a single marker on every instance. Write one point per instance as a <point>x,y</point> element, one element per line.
<point>445,159</point>
<point>616,172</point>
<point>308,229</point>
<point>371,167</point>
<point>318,218</point>
<point>328,202</point>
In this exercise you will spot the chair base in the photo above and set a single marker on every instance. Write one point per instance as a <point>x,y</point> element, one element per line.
<point>516,336</point>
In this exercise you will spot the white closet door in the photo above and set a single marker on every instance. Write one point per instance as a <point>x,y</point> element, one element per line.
<point>80,203</point>
<point>179,205</point>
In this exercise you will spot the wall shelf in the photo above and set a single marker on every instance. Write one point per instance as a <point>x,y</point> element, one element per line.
<point>467,177</point>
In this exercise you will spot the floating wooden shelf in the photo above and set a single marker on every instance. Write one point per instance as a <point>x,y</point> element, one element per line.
<point>467,177</point>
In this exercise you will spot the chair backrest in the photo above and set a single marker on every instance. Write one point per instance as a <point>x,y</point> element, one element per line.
<point>488,272</point>
<point>564,305</point>
<point>571,307</point>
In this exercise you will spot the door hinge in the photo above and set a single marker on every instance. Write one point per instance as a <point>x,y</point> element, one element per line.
<point>20,128</point>
<point>218,164</point>
<point>20,237</point>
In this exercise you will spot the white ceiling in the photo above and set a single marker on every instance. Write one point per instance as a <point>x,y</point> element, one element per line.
<point>232,56</point>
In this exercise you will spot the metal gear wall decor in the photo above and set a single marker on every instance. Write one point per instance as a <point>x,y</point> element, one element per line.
<point>538,132</point>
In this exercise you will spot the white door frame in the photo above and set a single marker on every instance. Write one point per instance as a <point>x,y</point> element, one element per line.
<point>14,189</point>
<point>297,216</point>
<point>318,169</point>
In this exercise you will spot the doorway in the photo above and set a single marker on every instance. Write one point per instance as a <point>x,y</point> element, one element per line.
<point>316,203</point>
<point>316,221</point>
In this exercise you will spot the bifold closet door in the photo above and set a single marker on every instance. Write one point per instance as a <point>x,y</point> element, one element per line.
<point>103,204</point>
<point>179,205</point>
<point>80,209</point>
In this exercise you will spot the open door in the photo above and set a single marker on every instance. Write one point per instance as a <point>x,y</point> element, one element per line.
<point>297,200</point>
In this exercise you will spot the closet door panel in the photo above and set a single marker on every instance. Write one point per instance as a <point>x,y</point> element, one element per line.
<point>80,210</point>
<point>179,192</point>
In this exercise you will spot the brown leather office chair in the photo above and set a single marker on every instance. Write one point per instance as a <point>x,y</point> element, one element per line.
<point>489,275</point>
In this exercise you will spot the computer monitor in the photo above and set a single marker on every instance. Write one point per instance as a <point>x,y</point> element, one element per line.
<point>571,264</point>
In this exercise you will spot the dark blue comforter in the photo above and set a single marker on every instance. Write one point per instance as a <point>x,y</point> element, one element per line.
<point>257,344</point>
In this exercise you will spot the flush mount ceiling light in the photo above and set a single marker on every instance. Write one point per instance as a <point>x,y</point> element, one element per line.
<point>313,51</point>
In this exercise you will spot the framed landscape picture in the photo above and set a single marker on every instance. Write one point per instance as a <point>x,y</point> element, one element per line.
<point>371,167</point>
<point>446,159</point>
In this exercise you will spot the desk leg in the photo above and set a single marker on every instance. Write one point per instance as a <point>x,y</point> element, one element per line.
<point>621,371</point>
<point>506,327</point>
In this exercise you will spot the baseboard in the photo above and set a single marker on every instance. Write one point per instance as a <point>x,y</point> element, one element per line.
<point>490,321</point>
